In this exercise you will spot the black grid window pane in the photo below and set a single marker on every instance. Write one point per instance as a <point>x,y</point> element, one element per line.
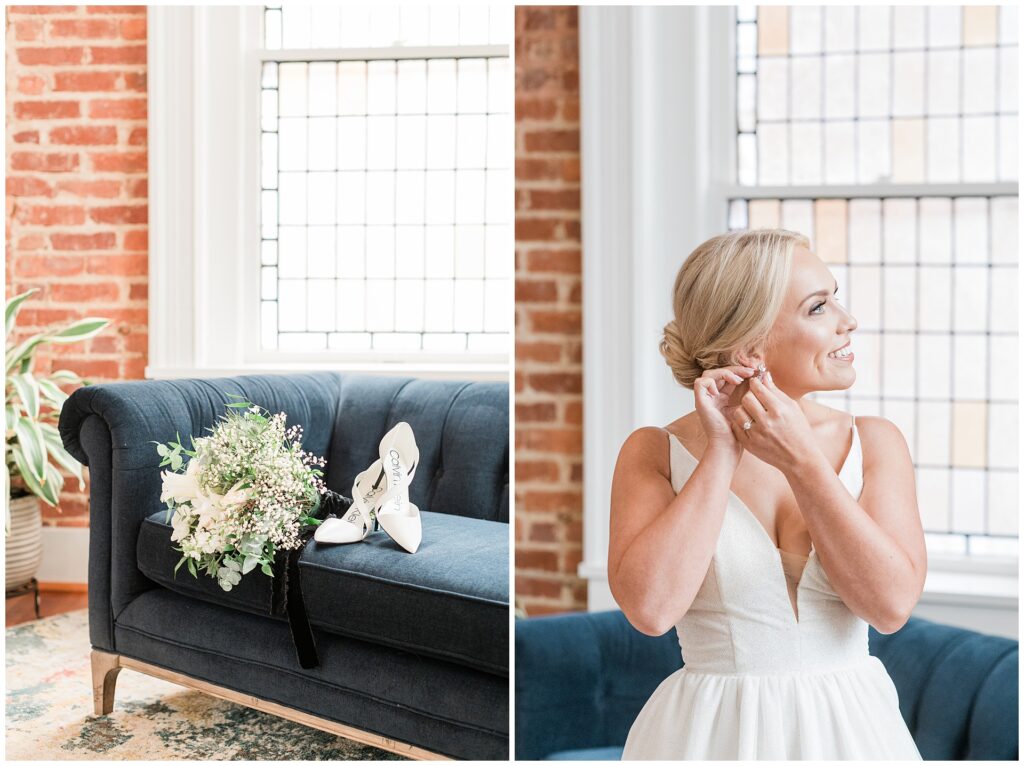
<point>876,94</point>
<point>385,209</point>
<point>932,283</point>
<point>915,95</point>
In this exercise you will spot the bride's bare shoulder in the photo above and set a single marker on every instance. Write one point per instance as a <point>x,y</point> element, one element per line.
<point>646,447</point>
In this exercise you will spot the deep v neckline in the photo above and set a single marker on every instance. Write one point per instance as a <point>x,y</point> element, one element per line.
<point>764,532</point>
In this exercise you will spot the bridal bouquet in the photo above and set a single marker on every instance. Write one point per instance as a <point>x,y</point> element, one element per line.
<point>247,491</point>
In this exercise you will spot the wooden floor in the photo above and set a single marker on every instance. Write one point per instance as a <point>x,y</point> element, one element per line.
<point>51,602</point>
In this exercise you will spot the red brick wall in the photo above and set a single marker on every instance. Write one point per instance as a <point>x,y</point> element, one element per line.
<point>549,373</point>
<point>77,189</point>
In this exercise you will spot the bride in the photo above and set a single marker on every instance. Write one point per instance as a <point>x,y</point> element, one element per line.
<point>768,529</point>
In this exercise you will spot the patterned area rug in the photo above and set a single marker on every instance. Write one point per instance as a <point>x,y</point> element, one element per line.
<point>49,712</point>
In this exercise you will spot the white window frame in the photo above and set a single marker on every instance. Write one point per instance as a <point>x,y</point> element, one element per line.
<point>204,151</point>
<point>657,91</point>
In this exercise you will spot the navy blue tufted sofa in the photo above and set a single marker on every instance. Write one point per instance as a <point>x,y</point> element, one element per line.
<point>413,648</point>
<point>582,678</point>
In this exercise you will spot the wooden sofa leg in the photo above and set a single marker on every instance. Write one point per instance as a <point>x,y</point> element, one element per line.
<point>105,667</point>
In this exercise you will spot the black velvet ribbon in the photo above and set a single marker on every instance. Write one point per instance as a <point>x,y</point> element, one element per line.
<point>286,594</point>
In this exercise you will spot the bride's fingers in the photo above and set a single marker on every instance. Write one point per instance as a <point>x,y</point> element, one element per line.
<point>725,375</point>
<point>706,386</point>
<point>741,416</point>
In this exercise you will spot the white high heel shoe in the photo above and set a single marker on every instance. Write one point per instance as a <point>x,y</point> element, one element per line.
<point>355,525</point>
<point>396,514</point>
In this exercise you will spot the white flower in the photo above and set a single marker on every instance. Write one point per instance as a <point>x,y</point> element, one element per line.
<point>180,523</point>
<point>207,507</point>
<point>236,495</point>
<point>182,487</point>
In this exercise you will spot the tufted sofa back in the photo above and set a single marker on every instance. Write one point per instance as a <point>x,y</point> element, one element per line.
<point>461,430</point>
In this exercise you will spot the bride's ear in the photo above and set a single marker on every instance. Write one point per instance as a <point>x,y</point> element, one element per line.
<point>750,358</point>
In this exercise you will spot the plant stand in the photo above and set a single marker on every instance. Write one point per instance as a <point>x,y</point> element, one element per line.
<point>32,586</point>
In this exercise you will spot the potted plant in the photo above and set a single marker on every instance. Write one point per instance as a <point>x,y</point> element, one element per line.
<point>34,447</point>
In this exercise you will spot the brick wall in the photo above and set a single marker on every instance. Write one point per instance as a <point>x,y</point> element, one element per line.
<point>549,373</point>
<point>77,189</point>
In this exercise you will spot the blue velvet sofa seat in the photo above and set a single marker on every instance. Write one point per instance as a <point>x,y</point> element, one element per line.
<point>412,647</point>
<point>582,678</point>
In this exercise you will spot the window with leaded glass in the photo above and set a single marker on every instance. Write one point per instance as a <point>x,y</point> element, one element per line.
<point>386,178</point>
<point>888,135</point>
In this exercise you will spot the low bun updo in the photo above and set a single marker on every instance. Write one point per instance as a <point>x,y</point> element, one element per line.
<point>726,297</point>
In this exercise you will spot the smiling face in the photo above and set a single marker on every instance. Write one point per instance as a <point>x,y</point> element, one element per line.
<point>811,326</point>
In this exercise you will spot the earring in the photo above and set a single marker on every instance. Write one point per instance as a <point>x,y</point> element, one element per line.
<point>761,369</point>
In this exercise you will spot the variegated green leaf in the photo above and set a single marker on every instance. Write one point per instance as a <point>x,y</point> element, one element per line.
<point>30,438</point>
<point>52,392</point>
<point>12,416</point>
<point>54,481</point>
<point>80,330</point>
<point>7,494</point>
<point>55,446</point>
<point>64,376</point>
<point>23,351</point>
<point>36,486</point>
<point>28,391</point>
<point>13,305</point>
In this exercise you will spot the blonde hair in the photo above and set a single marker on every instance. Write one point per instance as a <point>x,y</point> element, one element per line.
<point>726,298</point>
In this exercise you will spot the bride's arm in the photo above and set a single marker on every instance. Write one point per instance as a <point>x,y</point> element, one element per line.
<point>661,543</point>
<point>871,548</point>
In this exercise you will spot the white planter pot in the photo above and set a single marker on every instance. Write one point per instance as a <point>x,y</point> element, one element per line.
<point>25,542</point>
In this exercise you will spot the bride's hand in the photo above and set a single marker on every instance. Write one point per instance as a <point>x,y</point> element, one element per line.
<point>779,434</point>
<point>711,393</point>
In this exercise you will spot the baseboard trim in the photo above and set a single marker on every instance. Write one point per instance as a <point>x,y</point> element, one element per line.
<point>106,663</point>
<point>63,587</point>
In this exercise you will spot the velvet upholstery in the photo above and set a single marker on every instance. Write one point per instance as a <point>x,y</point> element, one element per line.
<point>449,708</point>
<point>448,600</point>
<point>462,483</point>
<point>581,680</point>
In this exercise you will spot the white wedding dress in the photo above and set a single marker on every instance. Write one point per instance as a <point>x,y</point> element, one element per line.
<point>776,665</point>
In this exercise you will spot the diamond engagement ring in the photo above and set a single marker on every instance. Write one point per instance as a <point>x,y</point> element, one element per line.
<point>748,425</point>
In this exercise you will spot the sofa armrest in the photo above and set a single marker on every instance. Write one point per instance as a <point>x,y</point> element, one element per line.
<point>957,689</point>
<point>582,678</point>
<point>111,428</point>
